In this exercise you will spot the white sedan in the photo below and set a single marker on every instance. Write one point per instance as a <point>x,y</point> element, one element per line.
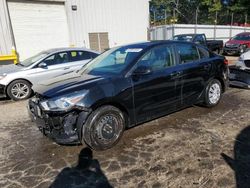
<point>16,81</point>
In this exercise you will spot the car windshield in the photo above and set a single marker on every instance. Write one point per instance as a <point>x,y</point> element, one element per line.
<point>187,38</point>
<point>241,37</point>
<point>33,59</point>
<point>113,61</point>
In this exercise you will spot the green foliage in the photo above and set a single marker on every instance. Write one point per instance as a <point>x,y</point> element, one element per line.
<point>184,11</point>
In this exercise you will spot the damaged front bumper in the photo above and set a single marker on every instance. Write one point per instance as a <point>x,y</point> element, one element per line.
<point>62,127</point>
<point>239,77</point>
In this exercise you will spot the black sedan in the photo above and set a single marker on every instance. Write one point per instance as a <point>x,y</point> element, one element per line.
<point>126,86</point>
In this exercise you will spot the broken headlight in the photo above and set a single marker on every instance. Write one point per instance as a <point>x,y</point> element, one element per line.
<point>64,103</point>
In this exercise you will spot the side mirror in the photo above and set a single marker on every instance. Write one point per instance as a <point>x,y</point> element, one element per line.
<point>42,65</point>
<point>142,70</point>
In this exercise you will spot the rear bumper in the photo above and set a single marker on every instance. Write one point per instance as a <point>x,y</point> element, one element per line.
<point>63,128</point>
<point>2,91</point>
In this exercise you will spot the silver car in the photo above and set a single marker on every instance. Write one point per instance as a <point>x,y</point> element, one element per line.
<point>16,80</point>
<point>244,61</point>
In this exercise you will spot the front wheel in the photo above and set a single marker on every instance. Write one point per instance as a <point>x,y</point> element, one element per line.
<point>213,93</point>
<point>103,128</point>
<point>19,90</point>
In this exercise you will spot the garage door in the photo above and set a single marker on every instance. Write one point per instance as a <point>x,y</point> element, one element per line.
<point>38,26</point>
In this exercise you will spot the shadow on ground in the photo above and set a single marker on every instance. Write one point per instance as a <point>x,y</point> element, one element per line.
<point>241,162</point>
<point>86,174</point>
<point>5,99</point>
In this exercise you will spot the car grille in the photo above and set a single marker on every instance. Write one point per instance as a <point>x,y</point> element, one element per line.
<point>232,48</point>
<point>247,63</point>
<point>232,45</point>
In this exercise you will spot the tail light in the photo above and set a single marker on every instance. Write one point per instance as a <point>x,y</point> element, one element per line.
<point>225,61</point>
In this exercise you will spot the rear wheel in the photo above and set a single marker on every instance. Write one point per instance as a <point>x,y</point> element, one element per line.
<point>103,128</point>
<point>213,93</point>
<point>19,90</point>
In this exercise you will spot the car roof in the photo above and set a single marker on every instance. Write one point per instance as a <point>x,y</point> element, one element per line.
<point>152,43</point>
<point>244,33</point>
<point>191,34</point>
<point>53,50</point>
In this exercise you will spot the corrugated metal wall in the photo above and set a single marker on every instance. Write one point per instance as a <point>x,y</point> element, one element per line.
<point>5,31</point>
<point>126,21</point>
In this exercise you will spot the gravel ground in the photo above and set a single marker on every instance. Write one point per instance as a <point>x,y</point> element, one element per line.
<point>195,147</point>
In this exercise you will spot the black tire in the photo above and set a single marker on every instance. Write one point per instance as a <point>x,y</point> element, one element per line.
<point>213,93</point>
<point>24,93</point>
<point>103,128</point>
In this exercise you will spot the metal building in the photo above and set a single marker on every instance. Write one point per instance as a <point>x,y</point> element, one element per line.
<point>35,25</point>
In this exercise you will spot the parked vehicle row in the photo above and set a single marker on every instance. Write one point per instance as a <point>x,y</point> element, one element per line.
<point>126,86</point>
<point>238,44</point>
<point>16,80</point>
<point>213,45</point>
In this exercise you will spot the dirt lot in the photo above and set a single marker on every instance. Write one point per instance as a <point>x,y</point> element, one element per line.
<point>183,149</point>
<point>196,147</point>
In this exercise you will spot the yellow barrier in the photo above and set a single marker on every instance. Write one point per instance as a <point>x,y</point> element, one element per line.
<point>11,57</point>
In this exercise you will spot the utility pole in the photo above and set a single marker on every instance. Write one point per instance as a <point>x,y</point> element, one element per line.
<point>165,11</point>
<point>154,19</point>
<point>215,23</point>
<point>196,19</point>
<point>245,25</point>
<point>174,14</point>
<point>232,20</point>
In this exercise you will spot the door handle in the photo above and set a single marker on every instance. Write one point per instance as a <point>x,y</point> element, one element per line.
<point>176,74</point>
<point>66,68</point>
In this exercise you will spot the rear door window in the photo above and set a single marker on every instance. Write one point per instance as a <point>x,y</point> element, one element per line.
<point>81,55</point>
<point>57,58</point>
<point>200,39</point>
<point>187,53</point>
<point>204,54</point>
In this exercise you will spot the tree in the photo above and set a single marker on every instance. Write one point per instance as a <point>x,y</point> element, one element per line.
<point>208,11</point>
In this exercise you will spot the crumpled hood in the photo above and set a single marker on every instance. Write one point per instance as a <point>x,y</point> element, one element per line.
<point>10,69</point>
<point>65,84</point>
